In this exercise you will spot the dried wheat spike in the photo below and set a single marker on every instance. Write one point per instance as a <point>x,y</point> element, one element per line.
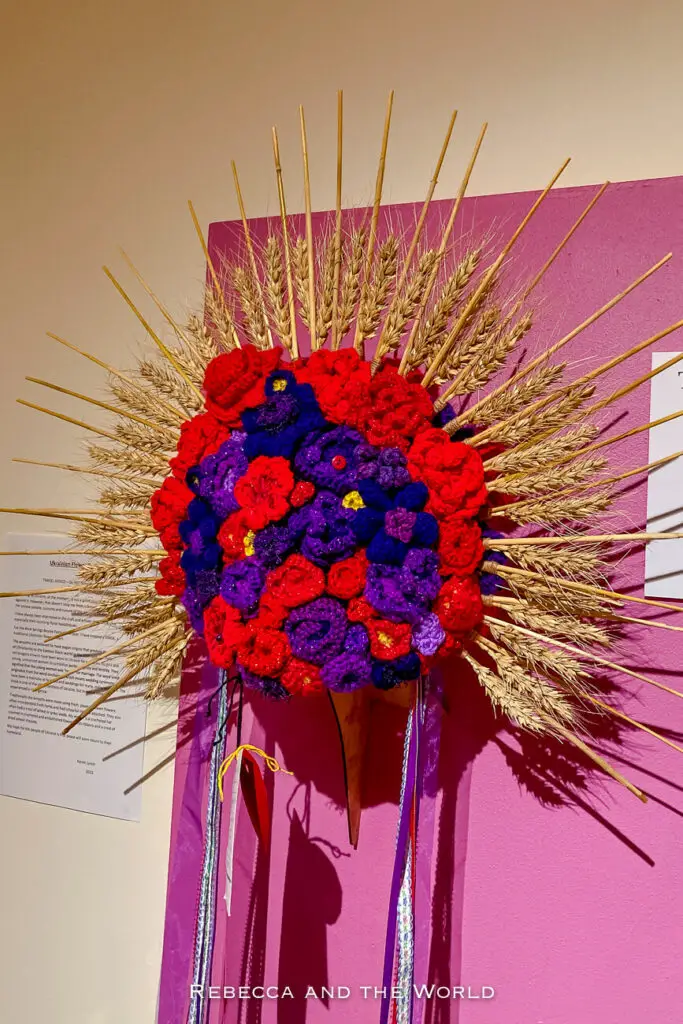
<point>376,292</point>
<point>276,292</point>
<point>354,251</point>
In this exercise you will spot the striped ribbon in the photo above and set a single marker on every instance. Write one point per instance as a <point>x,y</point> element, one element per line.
<point>399,948</point>
<point>206,917</point>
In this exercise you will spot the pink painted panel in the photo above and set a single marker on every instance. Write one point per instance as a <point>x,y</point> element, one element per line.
<point>553,887</point>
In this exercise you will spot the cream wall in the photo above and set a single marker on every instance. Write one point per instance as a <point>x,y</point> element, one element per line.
<point>112,116</point>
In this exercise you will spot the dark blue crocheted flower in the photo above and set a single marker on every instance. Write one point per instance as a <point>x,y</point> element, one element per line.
<point>289,413</point>
<point>199,532</point>
<point>387,674</point>
<point>389,526</point>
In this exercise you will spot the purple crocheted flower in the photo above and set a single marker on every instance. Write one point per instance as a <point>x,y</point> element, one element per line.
<point>195,610</point>
<point>328,458</point>
<point>395,593</point>
<point>347,672</point>
<point>428,635</point>
<point>325,529</point>
<point>357,640</point>
<point>317,630</point>
<point>242,583</point>
<point>219,473</point>
<point>388,466</point>
<point>399,523</point>
<point>272,545</point>
<point>423,565</point>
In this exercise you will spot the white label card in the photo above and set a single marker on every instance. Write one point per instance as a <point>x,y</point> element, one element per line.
<point>664,558</point>
<point>36,761</point>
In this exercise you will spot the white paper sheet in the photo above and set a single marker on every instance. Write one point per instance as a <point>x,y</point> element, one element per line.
<point>664,558</point>
<point>36,761</point>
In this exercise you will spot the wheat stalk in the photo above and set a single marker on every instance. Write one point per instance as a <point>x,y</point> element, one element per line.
<point>221,319</point>
<point>520,429</point>
<point>141,399</point>
<point>551,450</point>
<point>432,331</point>
<point>127,494</point>
<point>166,382</point>
<point>549,511</point>
<point>276,292</point>
<point>147,463</point>
<point>553,623</point>
<point>116,568</point>
<point>510,701</point>
<point>254,322</point>
<point>351,280</point>
<point>96,534</point>
<point>518,397</point>
<point>548,661</point>
<point>581,563</point>
<point>167,669</point>
<point>516,673</point>
<point>325,301</point>
<point>167,638</point>
<point>405,305</point>
<point>375,292</point>
<point>491,356</point>
<point>301,277</point>
<point>549,481</point>
<point>469,345</point>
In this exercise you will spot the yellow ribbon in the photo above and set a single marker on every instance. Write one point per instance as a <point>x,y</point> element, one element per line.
<point>270,762</point>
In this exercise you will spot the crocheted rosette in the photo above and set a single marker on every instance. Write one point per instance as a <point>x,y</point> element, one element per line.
<point>321,528</point>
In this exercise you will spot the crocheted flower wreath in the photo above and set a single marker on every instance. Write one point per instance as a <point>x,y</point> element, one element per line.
<point>321,528</point>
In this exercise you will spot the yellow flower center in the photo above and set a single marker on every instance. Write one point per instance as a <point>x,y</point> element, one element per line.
<point>384,639</point>
<point>353,500</point>
<point>249,543</point>
<point>279,384</point>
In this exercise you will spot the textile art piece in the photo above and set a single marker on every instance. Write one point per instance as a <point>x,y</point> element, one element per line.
<point>356,477</point>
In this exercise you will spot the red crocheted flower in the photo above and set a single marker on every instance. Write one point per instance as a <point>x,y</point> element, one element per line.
<point>172,580</point>
<point>452,471</point>
<point>388,639</point>
<point>459,605</point>
<point>460,547</point>
<point>295,582</point>
<point>396,410</point>
<point>234,381</point>
<point>360,610</point>
<point>233,536</point>
<point>301,677</point>
<point>272,612</point>
<point>303,492</point>
<point>223,630</point>
<point>264,490</point>
<point>263,650</point>
<point>347,579</point>
<point>340,380</point>
<point>200,436</point>
<point>168,509</point>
